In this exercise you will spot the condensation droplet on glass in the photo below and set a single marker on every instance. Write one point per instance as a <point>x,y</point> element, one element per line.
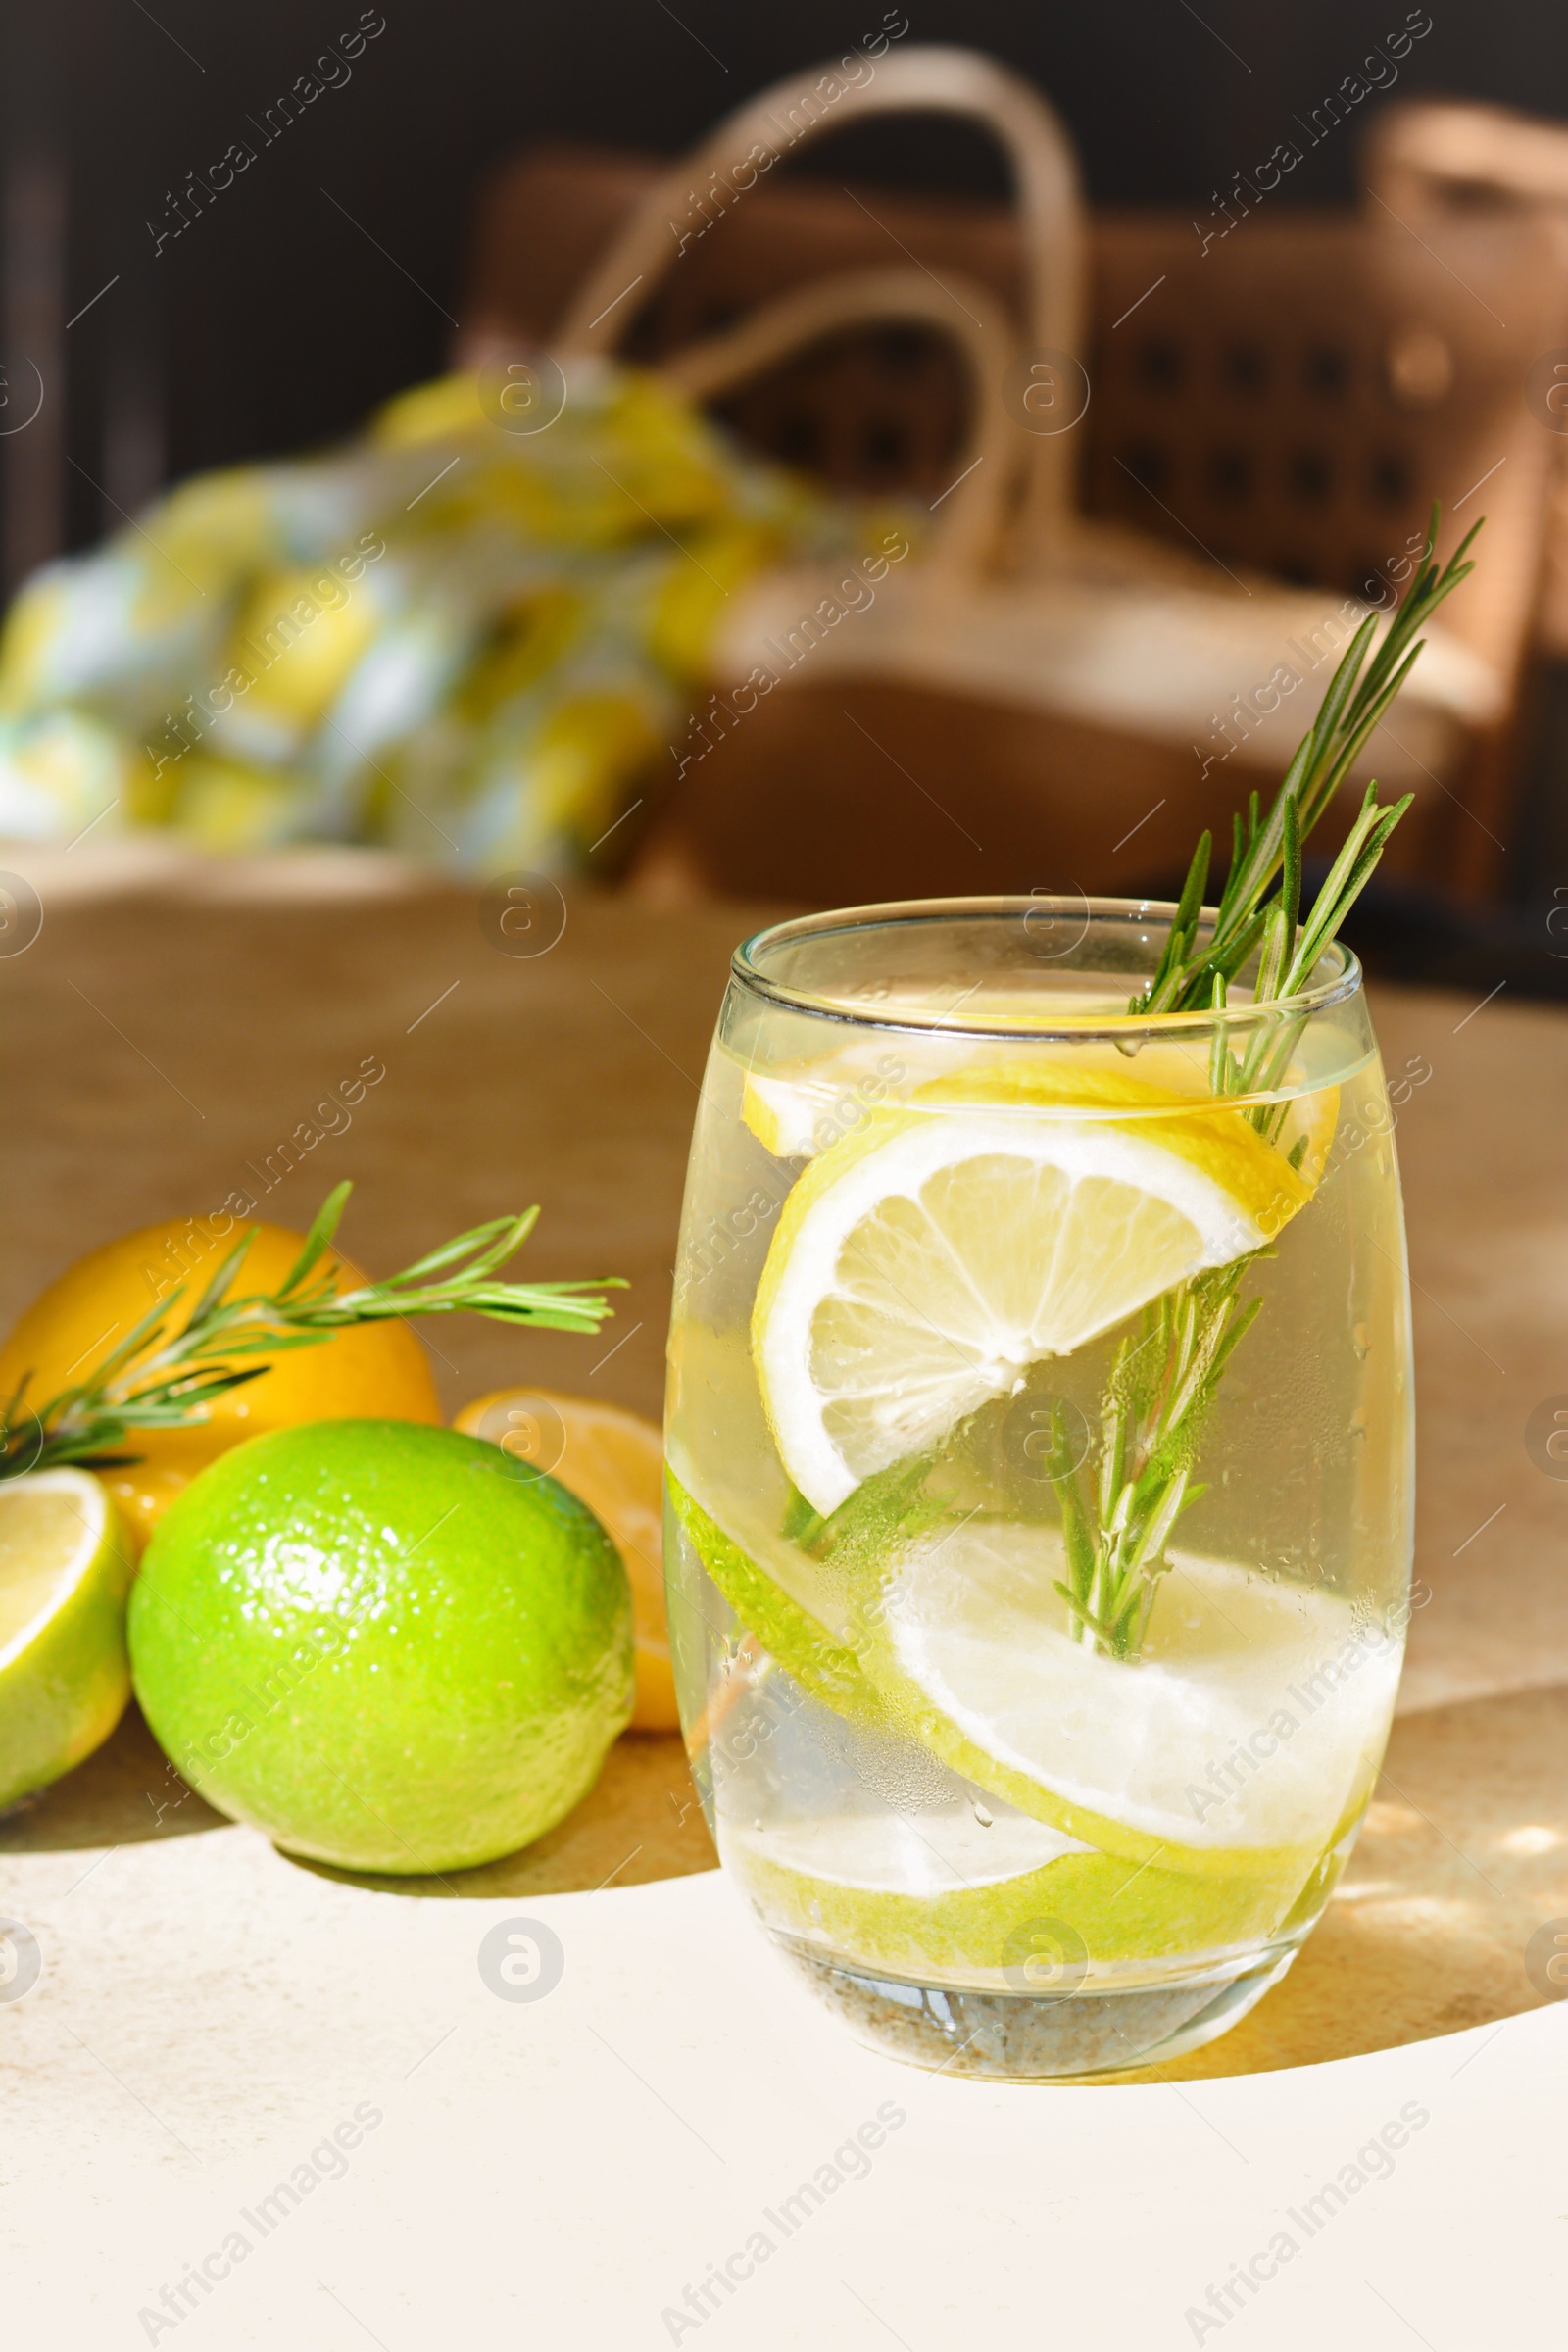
<point>1361,1342</point>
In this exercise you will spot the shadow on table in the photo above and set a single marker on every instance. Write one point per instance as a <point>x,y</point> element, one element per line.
<point>127,1794</point>
<point>642,1821</point>
<point>1463,1857</point>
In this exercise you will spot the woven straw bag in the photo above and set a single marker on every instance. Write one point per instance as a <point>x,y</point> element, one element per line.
<point>1014,609</point>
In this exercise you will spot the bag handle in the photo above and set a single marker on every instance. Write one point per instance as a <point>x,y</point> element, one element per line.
<point>945,80</point>
<point>966,533</point>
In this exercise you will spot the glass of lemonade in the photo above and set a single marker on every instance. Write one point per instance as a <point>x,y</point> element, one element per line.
<point>1040,1447</point>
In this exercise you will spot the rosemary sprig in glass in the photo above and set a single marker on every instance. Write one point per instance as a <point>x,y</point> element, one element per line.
<point>1160,1386</point>
<point>1201,949</point>
<point>167,1369</point>
<point>1117,1520</point>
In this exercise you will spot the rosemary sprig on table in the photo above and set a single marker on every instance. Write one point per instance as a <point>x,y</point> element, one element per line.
<point>1162,1384</point>
<point>166,1370</point>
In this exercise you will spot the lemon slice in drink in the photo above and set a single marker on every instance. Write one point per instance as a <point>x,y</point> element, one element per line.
<point>64,1676</point>
<point>785,1112</point>
<point>1004,1216</point>
<point>805,1107</point>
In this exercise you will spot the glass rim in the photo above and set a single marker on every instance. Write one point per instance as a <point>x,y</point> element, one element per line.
<point>1342,969</point>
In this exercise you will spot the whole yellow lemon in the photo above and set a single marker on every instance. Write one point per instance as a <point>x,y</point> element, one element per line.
<point>369,1371</point>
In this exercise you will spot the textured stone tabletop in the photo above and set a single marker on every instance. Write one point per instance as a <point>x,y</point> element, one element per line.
<point>175,1021</point>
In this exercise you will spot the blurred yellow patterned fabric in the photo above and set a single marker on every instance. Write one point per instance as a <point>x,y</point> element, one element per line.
<point>466,640</point>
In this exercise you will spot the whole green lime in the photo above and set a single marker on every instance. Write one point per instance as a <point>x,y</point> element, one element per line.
<point>390,1647</point>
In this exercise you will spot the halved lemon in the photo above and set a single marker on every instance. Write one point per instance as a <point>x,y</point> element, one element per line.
<point>65,1569</point>
<point>1004,1214</point>
<point>614,1461</point>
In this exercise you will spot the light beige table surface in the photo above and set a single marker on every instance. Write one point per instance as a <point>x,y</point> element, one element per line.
<point>172,1025</point>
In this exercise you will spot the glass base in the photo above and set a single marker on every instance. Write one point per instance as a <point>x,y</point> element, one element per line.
<point>1027,2037</point>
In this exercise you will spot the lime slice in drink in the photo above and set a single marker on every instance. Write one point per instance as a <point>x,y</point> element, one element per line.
<point>921,1265</point>
<point>1235,1747</point>
<point>1239,1749</point>
<point>63,1679</point>
<point>935,1896</point>
<point>791,1635</point>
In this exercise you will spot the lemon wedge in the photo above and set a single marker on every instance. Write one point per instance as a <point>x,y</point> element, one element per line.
<point>801,1109</point>
<point>781,1113</point>
<point>1000,1216</point>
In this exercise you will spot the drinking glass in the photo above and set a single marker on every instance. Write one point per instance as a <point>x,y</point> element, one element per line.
<point>1039,1462</point>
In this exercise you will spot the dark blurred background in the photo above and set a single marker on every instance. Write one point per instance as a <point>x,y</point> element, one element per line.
<point>277,319</point>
